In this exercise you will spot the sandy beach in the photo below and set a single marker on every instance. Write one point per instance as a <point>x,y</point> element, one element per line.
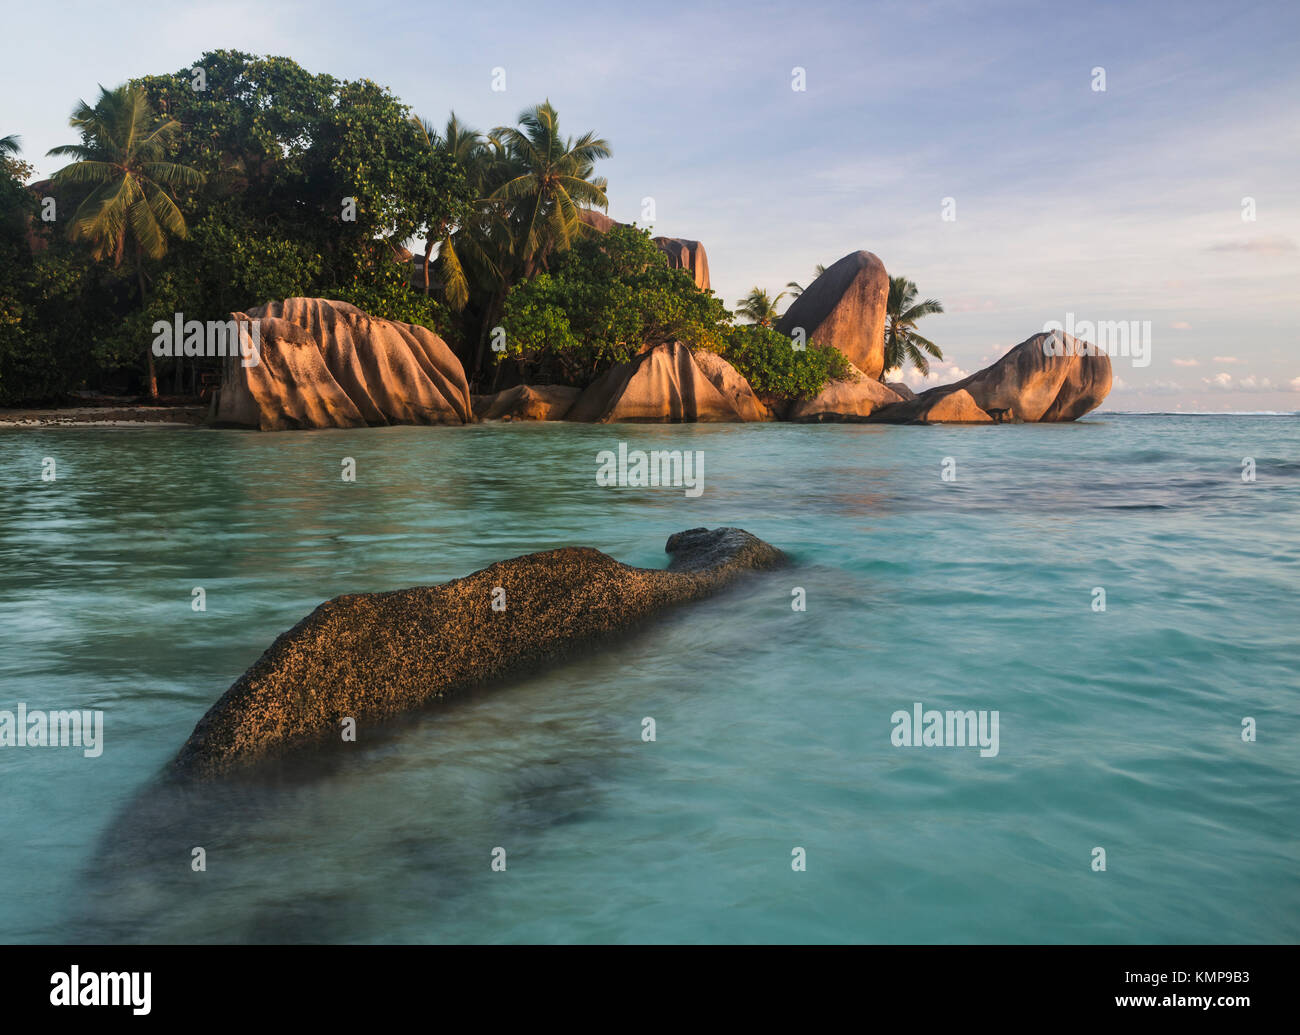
<point>104,417</point>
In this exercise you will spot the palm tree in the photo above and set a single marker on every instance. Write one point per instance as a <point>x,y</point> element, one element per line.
<point>797,289</point>
<point>548,179</point>
<point>902,343</point>
<point>9,146</point>
<point>465,147</point>
<point>122,158</point>
<point>758,307</point>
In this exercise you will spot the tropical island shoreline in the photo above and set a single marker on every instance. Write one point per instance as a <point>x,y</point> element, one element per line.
<point>196,248</point>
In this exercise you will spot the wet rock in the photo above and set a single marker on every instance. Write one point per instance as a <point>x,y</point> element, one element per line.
<point>372,656</point>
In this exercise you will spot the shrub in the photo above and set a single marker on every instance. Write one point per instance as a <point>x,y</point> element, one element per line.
<point>601,302</point>
<point>773,366</point>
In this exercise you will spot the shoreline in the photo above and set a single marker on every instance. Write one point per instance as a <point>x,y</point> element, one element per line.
<point>128,416</point>
<point>197,416</point>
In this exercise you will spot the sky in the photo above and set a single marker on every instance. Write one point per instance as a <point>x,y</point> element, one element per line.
<point>965,143</point>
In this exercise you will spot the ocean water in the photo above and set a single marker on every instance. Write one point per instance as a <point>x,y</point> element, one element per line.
<point>1118,729</point>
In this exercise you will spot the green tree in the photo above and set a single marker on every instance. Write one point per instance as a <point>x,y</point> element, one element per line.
<point>548,178</point>
<point>459,148</point>
<point>339,168</point>
<point>128,213</point>
<point>601,302</point>
<point>530,183</point>
<point>758,307</point>
<point>902,343</point>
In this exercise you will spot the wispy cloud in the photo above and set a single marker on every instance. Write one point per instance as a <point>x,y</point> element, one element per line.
<point>1225,382</point>
<point>1258,246</point>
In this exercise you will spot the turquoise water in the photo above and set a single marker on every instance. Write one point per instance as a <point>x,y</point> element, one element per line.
<point>1118,729</point>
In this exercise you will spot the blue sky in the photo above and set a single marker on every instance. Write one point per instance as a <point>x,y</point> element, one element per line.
<point>1117,205</point>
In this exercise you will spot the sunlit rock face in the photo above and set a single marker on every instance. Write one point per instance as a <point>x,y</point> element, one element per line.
<point>527,402</point>
<point>1044,378</point>
<point>855,398</point>
<point>950,408</point>
<point>667,384</point>
<point>686,255</point>
<point>845,308</point>
<point>326,364</point>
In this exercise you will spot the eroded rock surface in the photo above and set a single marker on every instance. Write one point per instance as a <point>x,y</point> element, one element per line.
<point>853,399</point>
<point>527,402</point>
<point>327,364</point>
<point>372,656</point>
<point>1041,379</point>
<point>669,383</point>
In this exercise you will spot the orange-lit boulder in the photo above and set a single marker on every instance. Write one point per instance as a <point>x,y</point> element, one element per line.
<point>666,384</point>
<point>323,363</point>
<point>527,402</point>
<point>1044,378</point>
<point>855,398</point>
<point>845,307</point>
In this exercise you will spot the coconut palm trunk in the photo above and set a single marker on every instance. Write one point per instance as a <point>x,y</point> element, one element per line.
<point>129,210</point>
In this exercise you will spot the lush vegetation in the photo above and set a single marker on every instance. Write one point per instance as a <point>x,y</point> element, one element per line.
<point>604,299</point>
<point>758,307</point>
<point>245,179</point>
<point>773,367</point>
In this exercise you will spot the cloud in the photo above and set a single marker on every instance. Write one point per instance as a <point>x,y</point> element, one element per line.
<point>1187,362</point>
<point>1294,384</point>
<point>1226,359</point>
<point>1225,382</point>
<point>1257,246</point>
<point>942,372</point>
<point>1181,325</point>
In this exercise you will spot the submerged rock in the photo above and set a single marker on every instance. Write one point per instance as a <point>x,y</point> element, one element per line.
<point>667,384</point>
<point>372,656</point>
<point>326,364</point>
<point>845,307</point>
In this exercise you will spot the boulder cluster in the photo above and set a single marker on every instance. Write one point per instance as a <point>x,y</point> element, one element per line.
<point>324,363</point>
